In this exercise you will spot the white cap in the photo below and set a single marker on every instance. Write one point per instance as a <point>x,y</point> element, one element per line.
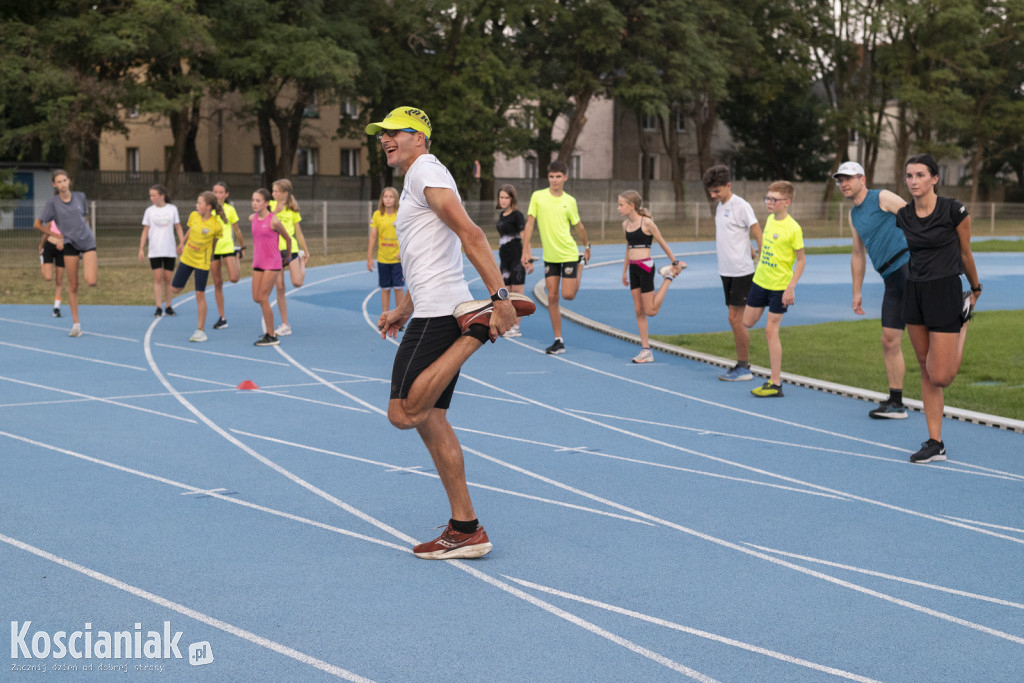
<point>850,168</point>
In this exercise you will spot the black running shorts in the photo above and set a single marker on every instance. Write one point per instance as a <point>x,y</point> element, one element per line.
<point>425,340</point>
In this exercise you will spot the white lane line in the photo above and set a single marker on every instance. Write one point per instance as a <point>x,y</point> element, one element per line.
<point>789,659</point>
<point>188,612</point>
<point>792,480</point>
<point>64,329</point>
<point>991,526</point>
<point>188,488</point>
<point>267,391</point>
<point>96,398</point>
<point>995,474</point>
<point>389,467</point>
<point>890,577</point>
<point>649,463</point>
<point>84,359</point>
<point>754,553</point>
<point>233,356</point>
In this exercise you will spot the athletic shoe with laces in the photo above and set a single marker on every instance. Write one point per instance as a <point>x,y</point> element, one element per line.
<point>738,373</point>
<point>557,347</point>
<point>169,311</point>
<point>768,390</point>
<point>666,271</point>
<point>283,330</point>
<point>267,340</point>
<point>513,332</point>
<point>889,410</point>
<point>198,336</point>
<point>968,310</point>
<point>158,312</point>
<point>645,356</point>
<point>452,545</point>
<point>76,330</point>
<point>479,312</point>
<point>56,312</point>
<point>931,451</point>
<point>221,324</point>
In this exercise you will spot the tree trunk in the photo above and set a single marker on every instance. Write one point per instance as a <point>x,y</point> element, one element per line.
<point>577,120</point>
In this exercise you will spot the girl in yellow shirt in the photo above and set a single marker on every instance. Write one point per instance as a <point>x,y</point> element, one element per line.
<point>196,250</point>
<point>286,209</point>
<point>382,232</point>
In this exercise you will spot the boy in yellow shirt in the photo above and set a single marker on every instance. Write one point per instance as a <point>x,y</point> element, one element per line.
<point>775,278</point>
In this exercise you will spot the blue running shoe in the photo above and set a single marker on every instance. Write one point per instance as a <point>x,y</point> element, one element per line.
<point>737,374</point>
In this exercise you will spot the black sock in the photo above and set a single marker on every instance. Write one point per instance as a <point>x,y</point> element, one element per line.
<point>464,527</point>
<point>895,395</point>
<point>481,333</point>
<point>743,364</point>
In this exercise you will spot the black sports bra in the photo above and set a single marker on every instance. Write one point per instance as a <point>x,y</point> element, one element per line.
<point>637,238</point>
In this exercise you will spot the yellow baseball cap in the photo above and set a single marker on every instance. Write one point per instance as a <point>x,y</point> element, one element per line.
<point>402,117</point>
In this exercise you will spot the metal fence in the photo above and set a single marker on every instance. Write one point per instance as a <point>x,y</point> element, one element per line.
<point>339,228</point>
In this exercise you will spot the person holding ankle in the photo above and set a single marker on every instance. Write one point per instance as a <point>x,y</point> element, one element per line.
<point>443,329</point>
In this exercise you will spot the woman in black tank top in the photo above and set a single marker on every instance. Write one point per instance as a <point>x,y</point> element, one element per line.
<point>638,266</point>
<point>935,309</point>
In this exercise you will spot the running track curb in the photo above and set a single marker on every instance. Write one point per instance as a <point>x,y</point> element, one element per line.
<point>541,296</point>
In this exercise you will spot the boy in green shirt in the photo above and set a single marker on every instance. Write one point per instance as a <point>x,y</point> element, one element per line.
<point>775,278</point>
<point>555,214</point>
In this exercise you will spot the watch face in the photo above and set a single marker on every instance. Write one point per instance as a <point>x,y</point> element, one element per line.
<point>502,293</point>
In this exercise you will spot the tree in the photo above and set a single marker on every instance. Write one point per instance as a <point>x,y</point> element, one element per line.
<point>285,59</point>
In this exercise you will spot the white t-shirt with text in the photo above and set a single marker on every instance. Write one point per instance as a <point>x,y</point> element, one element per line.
<point>161,221</point>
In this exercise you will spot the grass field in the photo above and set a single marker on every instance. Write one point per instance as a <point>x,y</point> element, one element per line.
<point>851,354</point>
<point>987,381</point>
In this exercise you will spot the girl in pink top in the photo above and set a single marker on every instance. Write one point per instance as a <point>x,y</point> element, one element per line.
<point>266,259</point>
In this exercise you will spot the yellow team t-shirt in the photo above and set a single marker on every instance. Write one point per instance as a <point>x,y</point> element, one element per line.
<point>226,243</point>
<point>288,219</point>
<point>201,236</point>
<point>555,217</point>
<point>779,244</point>
<point>387,236</point>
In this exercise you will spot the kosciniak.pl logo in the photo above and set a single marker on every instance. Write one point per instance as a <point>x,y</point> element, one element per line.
<point>89,644</point>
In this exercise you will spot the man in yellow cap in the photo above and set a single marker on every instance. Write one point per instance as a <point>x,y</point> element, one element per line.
<point>444,329</point>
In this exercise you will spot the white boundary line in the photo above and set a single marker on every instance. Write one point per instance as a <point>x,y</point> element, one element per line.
<point>187,611</point>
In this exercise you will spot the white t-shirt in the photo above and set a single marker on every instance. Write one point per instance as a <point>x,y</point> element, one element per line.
<point>161,221</point>
<point>732,237</point>
<point>431,252</point>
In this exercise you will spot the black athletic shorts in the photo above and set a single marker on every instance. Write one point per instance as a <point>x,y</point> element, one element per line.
<point>158,262</point>
<point>736,289</point>
<point>72,250</point>
<point>51,254</point>
<point>641,278</point>
<point>182,274</point>
<point>425,340</point>
<point>892,300</point>
<point>510,261</point>
<point>936,304</point>
<point>569,270</point>
<point>759,297</point>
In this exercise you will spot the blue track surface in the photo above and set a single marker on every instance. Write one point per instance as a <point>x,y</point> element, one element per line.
<point>649,522</point>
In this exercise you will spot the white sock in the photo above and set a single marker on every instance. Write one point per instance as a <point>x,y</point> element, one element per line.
<point>56,303</point>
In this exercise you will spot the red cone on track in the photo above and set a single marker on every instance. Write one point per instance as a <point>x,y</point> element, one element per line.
<point>248,385</point>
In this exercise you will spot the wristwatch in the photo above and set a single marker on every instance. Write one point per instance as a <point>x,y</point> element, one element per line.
<point>976,290</point>
<point>500,295</point>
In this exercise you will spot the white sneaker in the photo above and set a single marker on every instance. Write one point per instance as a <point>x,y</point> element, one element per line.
<point>76,330</point>
<point>283,330</point>
<point>645,356</point>
<point>198,336</point>
<point>512,332</point>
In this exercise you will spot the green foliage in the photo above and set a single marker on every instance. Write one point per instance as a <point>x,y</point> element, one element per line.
<point>8,188</point>
<point>850,353</point>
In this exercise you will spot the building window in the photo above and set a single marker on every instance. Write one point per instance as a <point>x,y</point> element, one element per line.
<point>349,110</point>
<point>575,166</point>
<point>530,167</point>
<point>133,112</point>
<point>853,137</point>
<point>649,121</point>
<point>132,156</point>
<point>680,118</point>
<point>312,110</point>
<point>257,160</point>
<point>350,162</point>
<point>307,161</point>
